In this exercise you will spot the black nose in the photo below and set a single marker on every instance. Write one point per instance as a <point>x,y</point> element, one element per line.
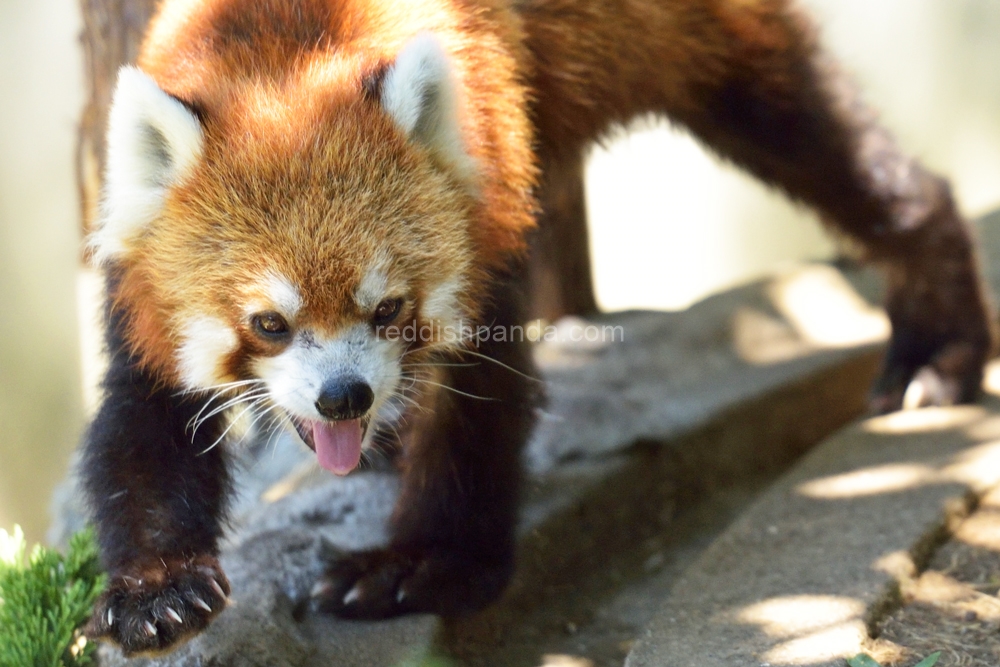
<point>344,399</point>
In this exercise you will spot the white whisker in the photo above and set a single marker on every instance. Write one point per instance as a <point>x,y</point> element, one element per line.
<point>259,416</point>
<point>198,419</point>
<point>457,391</point>
<point>226,432</point>
<point>502,365</point>
<point>217,387</point>
<point>221,390</point>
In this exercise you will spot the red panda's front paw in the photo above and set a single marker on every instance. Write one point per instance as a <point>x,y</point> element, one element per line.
<point>382,584</point>
<point>151,609</point>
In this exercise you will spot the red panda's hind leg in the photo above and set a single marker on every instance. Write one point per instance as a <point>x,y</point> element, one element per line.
<point>748,79</point>
<point>775,106</point>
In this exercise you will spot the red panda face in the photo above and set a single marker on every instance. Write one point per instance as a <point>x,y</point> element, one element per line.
<point>307,254</point>
<point>325,282</point>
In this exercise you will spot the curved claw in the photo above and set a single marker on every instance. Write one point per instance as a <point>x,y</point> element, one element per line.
<point>152,609</point>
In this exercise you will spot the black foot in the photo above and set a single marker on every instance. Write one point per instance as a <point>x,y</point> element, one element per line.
<point>153,609</point>
<point>383,584</point>
<point>950,374</point>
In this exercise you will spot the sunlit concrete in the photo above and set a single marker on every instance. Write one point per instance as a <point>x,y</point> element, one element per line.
<point>870,481</point>
<point>925,420</point>
<point>762,338</point>
<point>825,309</point>
<point>792,581</point>
<point>808,308</point>
<point>897,564</point>
<point>799,614</point>
<point>977,466</point>
<point>830,643</point>
<point>813,628</point>
<point>565,661</point>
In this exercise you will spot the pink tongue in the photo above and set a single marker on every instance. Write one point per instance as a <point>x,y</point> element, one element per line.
<point>338,445</point>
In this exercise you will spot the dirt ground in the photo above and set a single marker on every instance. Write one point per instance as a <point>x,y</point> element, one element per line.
<point>952,606</point>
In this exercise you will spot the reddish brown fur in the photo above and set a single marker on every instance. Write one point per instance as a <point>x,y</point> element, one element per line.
<point>281,93</point>
<point>303,172</point>
<point>260,203</point>
<point>271,79</point>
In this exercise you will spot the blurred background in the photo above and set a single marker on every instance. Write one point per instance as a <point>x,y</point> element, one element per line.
<point>670,224</point>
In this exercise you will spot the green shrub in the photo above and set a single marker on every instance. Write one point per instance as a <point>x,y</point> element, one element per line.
<point>44,600</point>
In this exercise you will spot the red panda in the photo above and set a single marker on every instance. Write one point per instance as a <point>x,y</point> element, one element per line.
<point>293,184</point>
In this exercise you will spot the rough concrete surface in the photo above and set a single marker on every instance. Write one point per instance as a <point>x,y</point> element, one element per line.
<point>689,387</point>
<point>669,408</point>
<point>610,516</point>
<point>638,436</point>
<point>660,375</point>
<point>817,560</point>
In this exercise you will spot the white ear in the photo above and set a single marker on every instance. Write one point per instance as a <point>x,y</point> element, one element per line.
<point>153,142</point>
<point>420,93</point>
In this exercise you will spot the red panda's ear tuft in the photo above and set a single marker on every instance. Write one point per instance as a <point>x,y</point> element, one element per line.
<point>154,141</point>
<point>420,93</point>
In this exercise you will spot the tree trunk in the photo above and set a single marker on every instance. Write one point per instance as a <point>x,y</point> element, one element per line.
<point>112,33</point>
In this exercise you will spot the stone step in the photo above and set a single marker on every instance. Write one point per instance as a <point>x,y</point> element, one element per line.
<point>815,563</point>
<point>709,405</point>
<point>596,525</point>
<point>673,493</point>
<point>633,428</point>
<point>805,575</point>
<point>693,405</point>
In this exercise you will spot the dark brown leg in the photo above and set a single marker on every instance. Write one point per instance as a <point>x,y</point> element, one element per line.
<point>157,492</point>
<point>559,279</point>
<point>747,78</point>
<point>774,107</point>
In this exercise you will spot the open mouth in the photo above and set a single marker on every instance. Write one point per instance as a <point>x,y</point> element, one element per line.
<point>337,443</point>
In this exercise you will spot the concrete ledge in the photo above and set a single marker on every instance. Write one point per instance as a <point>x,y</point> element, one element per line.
<point>816,561</point>
<point>730,391</point>
<point>740,384</point>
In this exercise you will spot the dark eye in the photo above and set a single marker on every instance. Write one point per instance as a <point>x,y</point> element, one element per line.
<point>387,311</point>
<point>269,325</point>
